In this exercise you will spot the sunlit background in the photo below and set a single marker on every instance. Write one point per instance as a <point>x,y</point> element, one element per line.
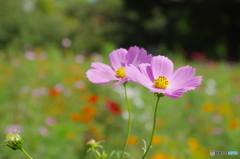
<point>46,47</point>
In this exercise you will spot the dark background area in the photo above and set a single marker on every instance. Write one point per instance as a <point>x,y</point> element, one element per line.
<point>208,28</point>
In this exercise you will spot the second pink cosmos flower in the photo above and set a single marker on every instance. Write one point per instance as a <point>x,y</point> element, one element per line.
<point>158,77</point>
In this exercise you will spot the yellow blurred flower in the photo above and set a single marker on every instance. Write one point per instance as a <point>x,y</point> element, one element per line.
<point>38,50</point>
<point>225,109</point>
<point>193,144</point>
<point>208,107</point>
<point>71,135</point>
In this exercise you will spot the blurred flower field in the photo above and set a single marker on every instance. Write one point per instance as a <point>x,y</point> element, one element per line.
<point>46,96</point>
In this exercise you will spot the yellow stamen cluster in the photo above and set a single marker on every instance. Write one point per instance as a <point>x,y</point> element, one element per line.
<point>161,82</point>
<point>120,72</point>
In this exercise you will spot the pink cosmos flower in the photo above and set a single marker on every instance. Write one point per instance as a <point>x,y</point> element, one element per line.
<point>119,59</point>
<point>158,76</point>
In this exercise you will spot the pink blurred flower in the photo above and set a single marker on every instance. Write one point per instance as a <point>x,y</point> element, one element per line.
<point>43,131</point>
<point>50,121</point>
<point>119,59</point>
<point>158,76</point>
<point>217,130</point>
<point>30,55</point>
<point>12,128</point>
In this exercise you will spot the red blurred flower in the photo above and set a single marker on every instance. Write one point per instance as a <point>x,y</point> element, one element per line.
<point>113,107</point>
<point>54,92</point>
<point>198,56</point>
<point>92,99</point>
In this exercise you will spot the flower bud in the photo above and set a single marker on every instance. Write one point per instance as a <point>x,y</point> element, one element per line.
<point>14,140</point>
<point>92,143</point>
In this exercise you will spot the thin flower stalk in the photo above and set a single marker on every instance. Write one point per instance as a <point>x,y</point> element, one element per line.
<point>154,125</point>
<point>129,120</point>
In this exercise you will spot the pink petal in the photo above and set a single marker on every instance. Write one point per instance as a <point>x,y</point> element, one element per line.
<point>147,71</point>
<point>175,93</point>
<point>101,74</point>
<point>183,78</point>
<point>102,67</point>
<point>161,66</point>
<point>121,81</point>
<point>172,93</point>
<point>100,77</point>
<point>136,56</point>
<point>117,58</point>
<point>191,83</point>
<point>135,75</point>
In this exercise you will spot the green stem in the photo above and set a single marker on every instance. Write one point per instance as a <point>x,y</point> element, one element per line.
<point>154,125</point>
<point>129,121</point>
<point>96,153</point>
<point>26,153</point>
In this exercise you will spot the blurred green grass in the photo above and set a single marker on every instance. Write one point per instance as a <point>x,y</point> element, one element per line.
<point>46,85</point>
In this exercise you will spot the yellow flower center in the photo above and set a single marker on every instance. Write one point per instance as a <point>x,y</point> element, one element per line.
<point>161,82</point>
<point>120,72</point>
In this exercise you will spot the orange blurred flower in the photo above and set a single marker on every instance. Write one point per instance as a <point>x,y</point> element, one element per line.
<point>90,110</point>
<point>233,124</point>
<point>96,133</point>
<point>76,117</point>
<point>87,118</point>
<point>93,99</point>
<point>156,140</point>
<point>132,140</point>
<point>159,156</point>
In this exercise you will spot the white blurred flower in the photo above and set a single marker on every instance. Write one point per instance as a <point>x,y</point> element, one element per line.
<point>131,92</point>
<point>79,85</point>
<point>79,58</point>
<point>191,119</point>
<point>210,87</point>
<point>28,5</point>
<point>125,115</point>
<point>138,102</point>
<point>36,92</point>
<point>217,118</point>
<point>236,99</point>
<point>25,89</point>
<point>15,63</point>
<point>97,57</point>
<point>67,92</point>
<point>66,42</point>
